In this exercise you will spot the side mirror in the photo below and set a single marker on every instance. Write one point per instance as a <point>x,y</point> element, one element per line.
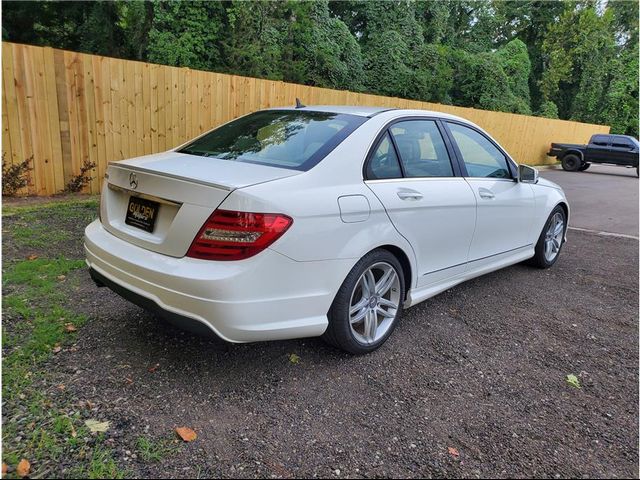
<point>527,174</point>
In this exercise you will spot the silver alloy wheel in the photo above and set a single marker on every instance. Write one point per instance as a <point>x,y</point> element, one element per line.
<point>553,237</point>
<point>374,304</point>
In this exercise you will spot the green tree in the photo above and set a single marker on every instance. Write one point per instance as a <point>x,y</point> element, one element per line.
<point>187,34</point>
<point>514,60</point>
<point>528,21</point>
<point>620,105</point>
<point>322,48</point>
<point>387,72</point>
<point>579,49</point>
<point>135,20</point>
<point>548,109</point>
<point>433,75</point>
<point>254,38</point>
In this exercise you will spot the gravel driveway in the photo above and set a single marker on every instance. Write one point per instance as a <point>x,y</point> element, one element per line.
<point>480,368</point>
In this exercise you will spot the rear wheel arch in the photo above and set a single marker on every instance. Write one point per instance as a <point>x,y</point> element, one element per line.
<point>577,153</point>
<point>403,258</point>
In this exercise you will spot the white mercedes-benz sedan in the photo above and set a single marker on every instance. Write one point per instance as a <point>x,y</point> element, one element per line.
<point>318,221</point>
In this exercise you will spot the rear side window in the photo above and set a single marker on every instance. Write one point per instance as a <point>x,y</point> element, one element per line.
<point>421,148</point>
<point>600,140</point>
<point>278,138</point>
<point>384,161</point>
<point>480,156</point>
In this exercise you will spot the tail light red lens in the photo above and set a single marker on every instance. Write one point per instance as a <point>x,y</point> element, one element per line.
<point>229,235</point>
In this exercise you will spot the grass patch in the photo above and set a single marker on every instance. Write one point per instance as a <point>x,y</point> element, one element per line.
<point>41,226</point>
<point>64,208</point>
<point>99,465</point>
<point>38,426</point>
<point>155,450</point>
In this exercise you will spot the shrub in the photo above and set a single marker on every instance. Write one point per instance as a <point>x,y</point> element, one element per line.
<point>78,182</point>
<point>15,177</point>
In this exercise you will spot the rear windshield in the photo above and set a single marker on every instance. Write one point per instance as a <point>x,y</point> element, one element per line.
<point>278,138</point>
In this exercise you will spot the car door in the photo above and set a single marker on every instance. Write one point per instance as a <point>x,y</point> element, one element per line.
<point>623,151</point>
<point>412,171</point>
<point>599,149</point>
<point>505,206</point>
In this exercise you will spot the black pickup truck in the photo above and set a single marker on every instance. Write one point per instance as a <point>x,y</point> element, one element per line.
<point>612,149</point>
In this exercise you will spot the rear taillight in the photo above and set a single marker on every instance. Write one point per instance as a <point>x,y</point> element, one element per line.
<point>229,235</point>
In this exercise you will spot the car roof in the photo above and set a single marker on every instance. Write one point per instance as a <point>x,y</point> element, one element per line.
<point>344,109</point>
<point>370,111</point>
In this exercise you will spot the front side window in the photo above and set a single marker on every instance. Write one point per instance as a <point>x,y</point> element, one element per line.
<point>384,161</point>
<point>421,148</point>
<point>622,143</point>
<point>278,138</point>
<point>480,156</point>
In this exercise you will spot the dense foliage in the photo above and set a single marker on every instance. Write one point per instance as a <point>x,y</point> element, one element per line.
<point>571,59</point>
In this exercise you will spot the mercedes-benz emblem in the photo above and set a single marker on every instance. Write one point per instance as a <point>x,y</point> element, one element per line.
<point>133,180</point>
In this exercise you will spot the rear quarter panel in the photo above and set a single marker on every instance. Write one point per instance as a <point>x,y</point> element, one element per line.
<point>311,199</point>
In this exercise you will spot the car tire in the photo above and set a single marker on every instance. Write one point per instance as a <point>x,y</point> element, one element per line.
<point>584,166</point>
<point>571,163</point>
<point>541,258</point>
<point>343,331</point>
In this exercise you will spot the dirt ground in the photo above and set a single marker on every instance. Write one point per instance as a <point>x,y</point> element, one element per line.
<point>478,371</point>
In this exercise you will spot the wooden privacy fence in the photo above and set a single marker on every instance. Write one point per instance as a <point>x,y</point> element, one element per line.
<point>64,108</point>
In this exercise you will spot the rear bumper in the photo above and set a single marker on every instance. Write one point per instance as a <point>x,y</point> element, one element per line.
<point>266,297</point>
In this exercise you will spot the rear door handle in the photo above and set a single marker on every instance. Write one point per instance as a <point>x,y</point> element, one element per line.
<point>409,195</point>
<point>485,193</point>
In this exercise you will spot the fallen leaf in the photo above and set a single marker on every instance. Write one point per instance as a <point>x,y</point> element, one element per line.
<point>23,468</point>
<point>96,426</point>
<point>74,434</point>
<point>573,381</point>
<point>57,348</point>
<point>61,387</point>
<point>293,358</point>
<point>70,327</point>
<point>32,257</point>
<point>453,451</point>
<point>186,434</point>
<point>4,468</point>
<point>154,368</point>
<point>61,277</point>
<point>128,380</point>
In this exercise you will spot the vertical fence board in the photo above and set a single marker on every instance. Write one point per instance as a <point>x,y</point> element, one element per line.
<point>92,122</point>
<point>10,107</point>
<point>28,144</point>
<point>153,107</point>
<point>101,158</point>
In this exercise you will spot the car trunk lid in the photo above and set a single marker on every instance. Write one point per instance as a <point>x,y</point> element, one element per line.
<point>174,193</point>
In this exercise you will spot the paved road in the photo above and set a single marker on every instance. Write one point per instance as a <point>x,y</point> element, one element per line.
<point>602,198</point>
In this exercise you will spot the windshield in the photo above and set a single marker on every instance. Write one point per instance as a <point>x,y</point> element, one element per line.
<point>278,138</point>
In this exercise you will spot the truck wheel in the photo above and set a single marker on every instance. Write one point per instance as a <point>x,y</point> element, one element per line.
<point>571,163</point>
<point>584,167</point>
